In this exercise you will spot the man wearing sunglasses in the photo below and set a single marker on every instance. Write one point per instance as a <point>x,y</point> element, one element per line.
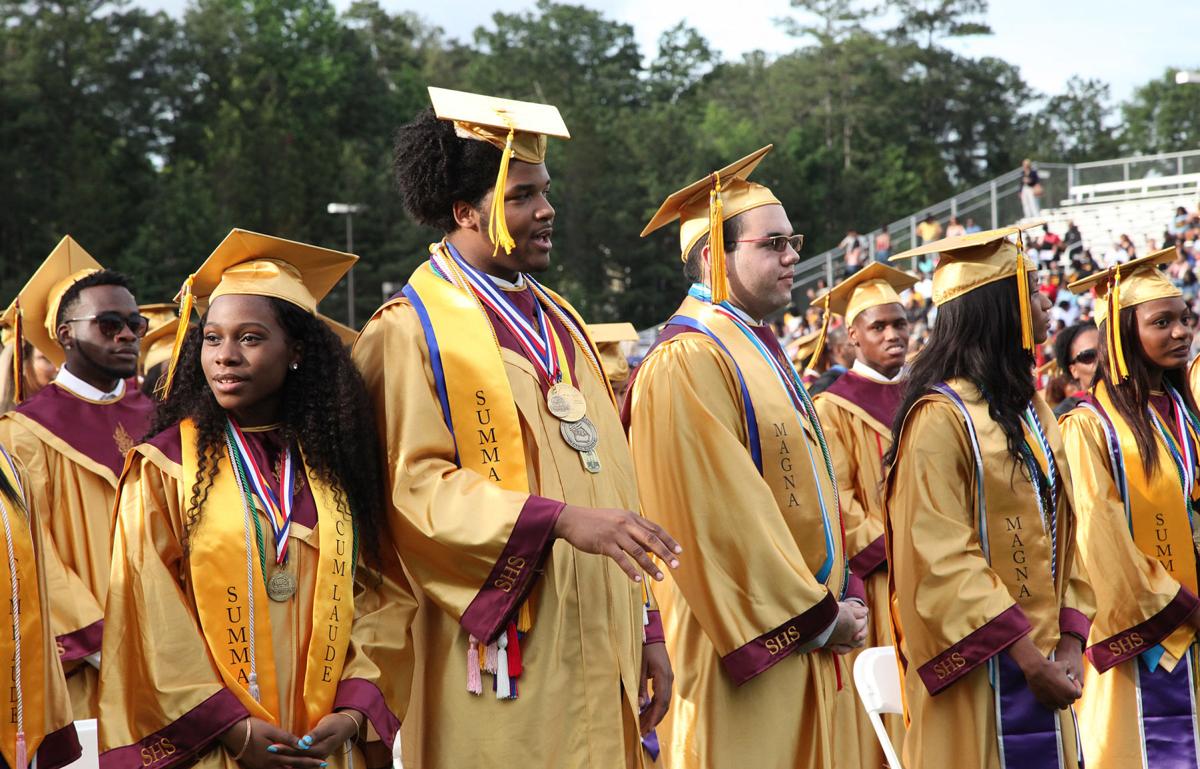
<point>731,459</point>
<point>71,438</point>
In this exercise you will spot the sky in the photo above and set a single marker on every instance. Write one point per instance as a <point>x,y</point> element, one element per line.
<point>1120,42</point>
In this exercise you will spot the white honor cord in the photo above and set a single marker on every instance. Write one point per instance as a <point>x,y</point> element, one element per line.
<point>16,618</point>
<point>246,524</point>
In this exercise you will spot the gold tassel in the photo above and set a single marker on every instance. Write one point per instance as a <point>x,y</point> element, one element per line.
<point>524,618</point>
<point>497,224</point>
<point>18,354</point>
<point>1023,297</point>
<point>1116,350</point>
<point>820,348</point>
<point>718,282</point>
<point>186,301</point>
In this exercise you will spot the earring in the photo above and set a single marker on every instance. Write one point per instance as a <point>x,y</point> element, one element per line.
<point>295,366</point>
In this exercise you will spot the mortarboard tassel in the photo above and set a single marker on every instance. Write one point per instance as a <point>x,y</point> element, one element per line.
<point>1023,297</point>
<point>718,282</point>
<point>18,354</point>
<point>186,301</point>
<point>524,617</point>
<point>497,224</point>
<point>820,348</point>
<point>1116,351</point>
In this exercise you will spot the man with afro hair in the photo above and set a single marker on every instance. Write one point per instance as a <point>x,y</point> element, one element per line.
<point>512,492</point>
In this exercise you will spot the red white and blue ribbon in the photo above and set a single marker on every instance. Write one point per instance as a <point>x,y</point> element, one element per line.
<point>278,513</point>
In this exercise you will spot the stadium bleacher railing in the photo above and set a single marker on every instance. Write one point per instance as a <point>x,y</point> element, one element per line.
<point>997,202</point>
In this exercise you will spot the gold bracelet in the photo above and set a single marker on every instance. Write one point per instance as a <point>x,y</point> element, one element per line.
<point>357,725</point>
<point>246,744</point>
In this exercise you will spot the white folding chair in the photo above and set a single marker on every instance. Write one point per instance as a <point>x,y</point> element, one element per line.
<point>90,758</point>
<point>877,679</point>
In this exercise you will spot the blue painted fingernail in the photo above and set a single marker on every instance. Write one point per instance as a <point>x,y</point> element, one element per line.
<point>272,749</point>
<point>324,764</point>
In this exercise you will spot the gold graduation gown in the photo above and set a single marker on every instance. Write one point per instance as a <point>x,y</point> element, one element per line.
<point>162,696</point>
<point>55,743</point>
<point>474,551</point>
<point>73,449</point>
<point>742,609</point>
<point>953,609</point>
<point>1139,604</point>
<point>857,413</point>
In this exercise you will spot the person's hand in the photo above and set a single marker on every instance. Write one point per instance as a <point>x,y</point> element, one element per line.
<point>331,732</point>
<point>1069,653</point>
<point>1047,680</point>
<point>656,670</point>
<point>619,534</point>
<point>850,632</point>
<point>269,747</point>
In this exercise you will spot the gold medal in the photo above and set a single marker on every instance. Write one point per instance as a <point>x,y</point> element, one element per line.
<point>566,403</point>
<point>581,435</point>
<point>281,585</point>
<point>591,461</point>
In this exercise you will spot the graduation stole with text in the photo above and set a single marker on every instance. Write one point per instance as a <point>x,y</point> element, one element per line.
<point>22,643</point>
<point>479,410</point>
<point>775,428</point>
<point>235,617</point>
<point>1158,508</point>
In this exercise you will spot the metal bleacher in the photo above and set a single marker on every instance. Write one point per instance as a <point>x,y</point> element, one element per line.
<point>1134,196</point>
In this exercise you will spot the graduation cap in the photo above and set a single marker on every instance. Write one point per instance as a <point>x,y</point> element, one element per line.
<point>518,128</point>
<point>702,208</point>
<point>608,338</point>
<point>1127,285</point>
<point>874,285</point>
<point>253,264</point>
<point>158,343</point>
<point>971,261</point>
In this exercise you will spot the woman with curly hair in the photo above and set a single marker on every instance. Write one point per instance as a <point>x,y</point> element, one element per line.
<point>246,628</point>
<point>1132,444</point>
<point>988,612</point>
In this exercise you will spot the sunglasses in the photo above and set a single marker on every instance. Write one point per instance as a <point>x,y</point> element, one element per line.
<point>778,243</point>
<point>1086,357</point>
<point>111,323</point>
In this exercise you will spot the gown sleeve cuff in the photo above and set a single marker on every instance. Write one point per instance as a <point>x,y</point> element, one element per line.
<point>80,643</point>
<point>180,742</point>
<point>1074,622</point>
<point>870,558</point>
<point>1127,644</point>
<point>1002,631</point>
<point>59,748</point>
<point>654,628</point>
<point>758,655</point>
<point>856,590</point>
<point>365,697</point>
<point>514,572</point>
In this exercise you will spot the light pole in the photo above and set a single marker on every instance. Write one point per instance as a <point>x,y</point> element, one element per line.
<point>348,210</point>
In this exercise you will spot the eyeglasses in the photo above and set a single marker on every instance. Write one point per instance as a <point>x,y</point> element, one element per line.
<point>111,323</point>
<point>1086,357</point>
<point>779,242</point>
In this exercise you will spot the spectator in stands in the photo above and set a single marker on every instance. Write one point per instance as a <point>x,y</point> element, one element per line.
<point>883,244</point>
<point>954,229</point>
<point>1065,311</point>
<point>1072,235</point>
<point>1180,226</point>
<point>853,246</point>
<point>929,230</point>
<point>1126,245</point>
<point>972,227</point>
<point>1031,189</point>
<point>1075,349</point>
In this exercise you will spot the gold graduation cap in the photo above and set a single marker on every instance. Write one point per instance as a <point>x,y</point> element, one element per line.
<point>874,285</point>
<point>159,313</point>
<point>704,205</point>
<point>1127,285</point>
<point>968,262</point>
<point>608,338</point>
<point>38,302</point>
<point>518,128</point>
<point>804,347</point>
<point>343,332</point>
<point>254,264</point>
<point>158,342</point>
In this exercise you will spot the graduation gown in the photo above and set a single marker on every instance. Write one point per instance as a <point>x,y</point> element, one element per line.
<point>1141,605</point>
<point>164,701</point>
<point>857,414</point>
<point>49,732</point>
<point>73,450</point>
<point>476,551</point>
<point>965,586</point>
<point>744,613</point>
